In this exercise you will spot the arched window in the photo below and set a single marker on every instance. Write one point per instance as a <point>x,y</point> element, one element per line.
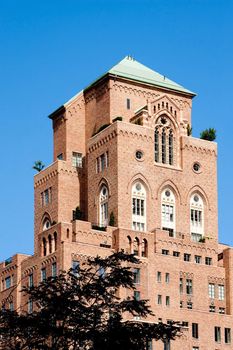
<point>144,248</point>
<point>170,144</point>
<point>55,240</point>
<point>130,244</point>
<point>138,207</point>
<point>168,211</point>
<point>103,206</point>
<point>44,246</point>
<point>50,244</point>
<point>196,217</point>
<point>46,224</point>
<point>136,246</point>
<point>163,146</point>
<point>157,145</point>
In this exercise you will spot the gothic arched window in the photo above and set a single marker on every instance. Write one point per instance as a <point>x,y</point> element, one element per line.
<point>50,244</point>
<point>156,145</point>
<point>138,207</point>
<point>103,206</point>
<point>136,246</point>
<point>144,248</point>
<point>168,211</point>
<point>196,217</point>
<point>164,141</point>
<point>170,145</point>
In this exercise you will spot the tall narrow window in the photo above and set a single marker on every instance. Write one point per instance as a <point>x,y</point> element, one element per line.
<point>50,244</point>
<point>128,103</point>
<point>130,244</point>
<point>44,244</point>
<point>195,330</point>
<point>30,280</point>
<point>43,275</point>
<point>136,246</point>
<point>103,211</point>
<point>54,269</point>
<point>144,248</point>
<point>196,217</point>
<point>217,334</point>
<point>168,211</point>
<point>163,147</point>
<point>77,160</point>
<point>227,335</point>
<point>211,290</point>
<point>170,143</point>
<point>138,207</point>
<point>221,292</point>
<point>189,286</point>
<point>156,145</point>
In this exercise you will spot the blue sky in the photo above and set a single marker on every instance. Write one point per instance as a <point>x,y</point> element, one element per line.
<point>51,49</point>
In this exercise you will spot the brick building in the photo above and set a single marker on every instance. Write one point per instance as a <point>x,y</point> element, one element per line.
<point>127,176</point>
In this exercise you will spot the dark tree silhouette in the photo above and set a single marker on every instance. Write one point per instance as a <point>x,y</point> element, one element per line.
<point>38,165</point>
<point>82,309</point>
<point>208,134</point>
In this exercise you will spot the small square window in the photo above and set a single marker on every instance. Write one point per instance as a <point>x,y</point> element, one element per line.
<point>189,305</point>
<point>208,260</point>
<point>187,257</point>
<point>60,156</point>
<point>176,254</point>
<point>211,308</point>
<point>197,259</point>
<point>165,252</point>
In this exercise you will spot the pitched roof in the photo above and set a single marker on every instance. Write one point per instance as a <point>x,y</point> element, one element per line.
<point>131,69</point>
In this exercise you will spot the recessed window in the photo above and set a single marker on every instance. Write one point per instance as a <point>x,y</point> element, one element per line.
<point>103,206</point>
<point>197,259</point>
<point>128,103</point>
<point>30,280</point>
<point>60,156</point>
<point>77,160</point>
<point>176,254</point>
<point>208,260</point>
<point>138,207</point>
<point>187,257</point>
<point>75,267</point>
<point>221,292</point>
<point>159,276</point>
<point>211,308</point>
<point>47,224</point>
<point>167,277</point>
<point>189,286</point>
<point>54,269</point>
<point>195,330</point>
<point>159,299</point>
<point>139,155</point>
<point>211,290</point>
<point>196,167</point>
<point>189,305</point>
<point>217,334</point>
<point>136,276</point>
<point>43,275</point>
<point>137,295</point>
<point>165,252</point>
<point>7,282</point>
<point>167,300</point>
<point>222,310</point>
<point>227,335</point>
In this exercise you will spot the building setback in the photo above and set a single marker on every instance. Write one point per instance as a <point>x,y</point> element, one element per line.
<point>125,175</point>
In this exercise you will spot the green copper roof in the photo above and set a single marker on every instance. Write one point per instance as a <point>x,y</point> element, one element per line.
<point>131,69</point>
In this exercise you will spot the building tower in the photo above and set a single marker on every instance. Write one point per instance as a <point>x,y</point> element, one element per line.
<point>125,175</point>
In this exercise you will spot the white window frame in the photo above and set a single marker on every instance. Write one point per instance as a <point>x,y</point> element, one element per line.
<point>196,217</point>
<point>77,159</point>
<point>103,206</point>
<point>168,210</point>
<point>211,290</point>
<point>138,207</point>
<point>221,292</point>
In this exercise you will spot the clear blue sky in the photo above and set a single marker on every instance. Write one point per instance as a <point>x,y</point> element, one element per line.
<point>51,49</point>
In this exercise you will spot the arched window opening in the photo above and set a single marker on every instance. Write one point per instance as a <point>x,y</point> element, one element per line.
<point>162,104</point>
<point>144,248</point>
<point>196,217</point>
<point>136,246</point>
<point>44,246</point>
<point>50,244</point>
<point>67,233</point>
<point>163,147</point>
<point>46,224</point>
<point>170,144</point>
<point>156,145</point>
<point>154,109</point>
<point>138,207</point>
<point>168,211</point>
<point>103,206</point>
<point>55,240</point>
<point>129,244</point>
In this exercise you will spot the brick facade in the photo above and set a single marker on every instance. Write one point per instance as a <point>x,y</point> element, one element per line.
<point>170,259</point>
